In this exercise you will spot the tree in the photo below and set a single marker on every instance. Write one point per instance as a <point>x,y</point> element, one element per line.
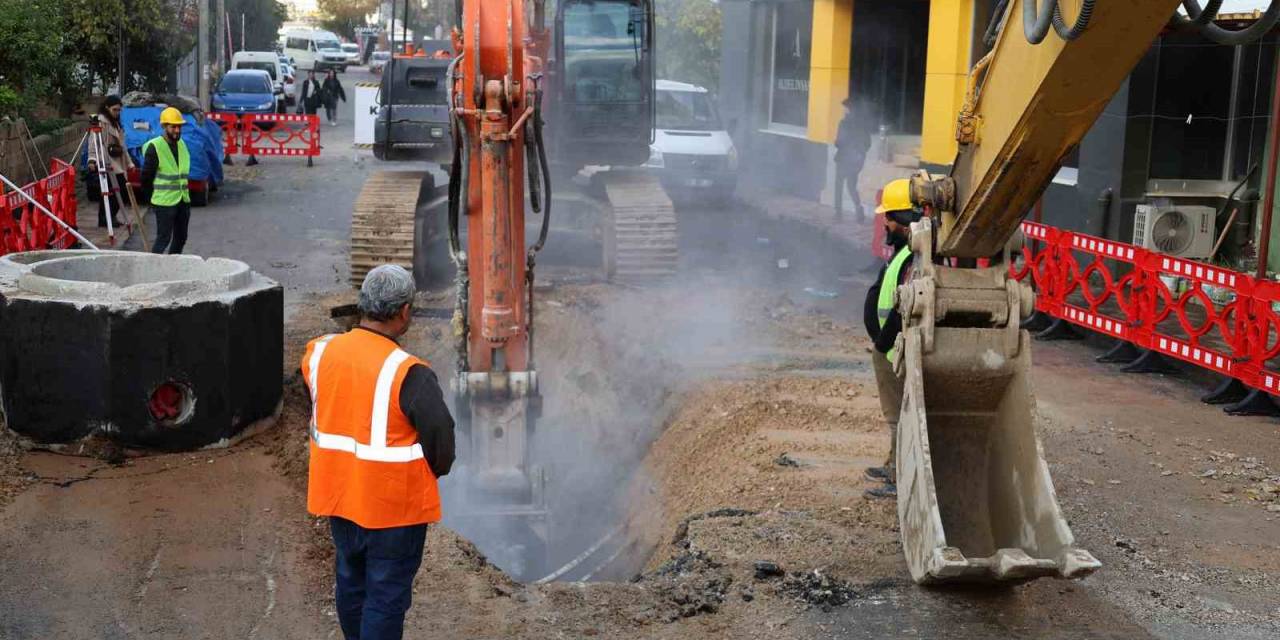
<point>343,16</point>
<point>687,37</point>
<point>32,55</point>
<point>154,35</point>
<point>262,20</point>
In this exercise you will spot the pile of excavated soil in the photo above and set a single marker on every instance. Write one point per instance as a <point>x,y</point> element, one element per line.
<point>12,480</point>
<point>785,456</point>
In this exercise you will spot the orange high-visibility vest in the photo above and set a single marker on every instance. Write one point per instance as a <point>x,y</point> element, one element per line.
<point>366,462</point>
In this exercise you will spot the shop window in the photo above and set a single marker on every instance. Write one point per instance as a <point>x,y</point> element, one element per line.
<point>789,68</point>
<point>1192,109</point>
<point>887,61</point>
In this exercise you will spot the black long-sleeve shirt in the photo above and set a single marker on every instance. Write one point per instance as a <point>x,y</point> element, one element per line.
<point>422,400</point>
<point>333,90</point>
<point>853,138</point>
<point>151,164</point>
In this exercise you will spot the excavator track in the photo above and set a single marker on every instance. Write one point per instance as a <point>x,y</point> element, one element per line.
<point>383,222</point>
<point>640,232</point>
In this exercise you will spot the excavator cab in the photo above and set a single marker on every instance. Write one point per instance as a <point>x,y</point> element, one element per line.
<point>602,83</point>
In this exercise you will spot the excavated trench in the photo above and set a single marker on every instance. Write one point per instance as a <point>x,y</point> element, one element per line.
<point>614,364</point>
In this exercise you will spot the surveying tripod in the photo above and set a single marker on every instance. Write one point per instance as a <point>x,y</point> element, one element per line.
<point>108,185</point>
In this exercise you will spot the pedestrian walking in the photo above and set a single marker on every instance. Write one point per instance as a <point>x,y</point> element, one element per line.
<point>166,167</point>
<point>381,435</point>
<point>332,91</point>
<point>310,94</point>
<point>118,161</point>
<point>853,142</point>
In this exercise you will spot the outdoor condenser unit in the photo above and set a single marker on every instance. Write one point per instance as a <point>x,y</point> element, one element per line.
<point>1184,231</point>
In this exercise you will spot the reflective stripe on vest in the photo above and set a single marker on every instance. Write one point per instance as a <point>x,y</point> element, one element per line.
<point>884,304</point>
<point>376,450</point>
<point>170,186</point>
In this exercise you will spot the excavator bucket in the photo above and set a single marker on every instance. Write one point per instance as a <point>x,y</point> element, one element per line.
<point>975,500</point>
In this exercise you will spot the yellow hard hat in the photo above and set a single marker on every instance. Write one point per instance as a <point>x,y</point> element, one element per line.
<point>895,197</point>
<point>171,116</point>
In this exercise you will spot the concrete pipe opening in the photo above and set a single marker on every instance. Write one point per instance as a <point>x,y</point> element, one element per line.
<point>172,404</point>
<point>134,276</point>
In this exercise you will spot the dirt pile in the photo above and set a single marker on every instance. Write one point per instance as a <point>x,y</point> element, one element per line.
<point>716,470</point>
<point>12,480</point>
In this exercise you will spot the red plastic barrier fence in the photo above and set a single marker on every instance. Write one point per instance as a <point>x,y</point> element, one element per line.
<point>280,135</point>
<point>269,134</point>
<point>1215,318</point>
<point>230,125</point>
<point>23,227</point>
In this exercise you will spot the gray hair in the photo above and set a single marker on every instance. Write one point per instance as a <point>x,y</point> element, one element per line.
<point>386,289</point>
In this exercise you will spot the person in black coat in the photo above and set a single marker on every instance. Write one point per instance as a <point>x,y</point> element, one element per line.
<point>332,91</point>
<point>310,94</point>
<point>853,141</point>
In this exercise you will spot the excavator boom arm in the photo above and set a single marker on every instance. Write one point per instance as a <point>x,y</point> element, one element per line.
<point>1031,106</point>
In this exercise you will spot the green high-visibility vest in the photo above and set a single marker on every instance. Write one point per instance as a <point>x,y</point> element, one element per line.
<point>171,175</point>
<point>884,304</point>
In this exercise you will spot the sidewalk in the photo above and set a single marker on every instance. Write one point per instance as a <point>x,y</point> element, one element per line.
<point>821,215</point>
<point>87,223</point>
<point>778,206</point>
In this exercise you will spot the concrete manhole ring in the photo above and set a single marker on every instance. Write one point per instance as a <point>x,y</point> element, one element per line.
<point>152,352</point>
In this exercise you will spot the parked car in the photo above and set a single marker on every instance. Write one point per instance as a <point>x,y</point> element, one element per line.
<point>315,50</point>
<point>379,61</point>
<point>290,82</point>
<point>692,152</point>
<point>353,52</point>
<point>245,91</point>
<point>269,62</point>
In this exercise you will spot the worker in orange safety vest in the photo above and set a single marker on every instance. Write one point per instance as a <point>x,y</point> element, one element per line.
<point>381,435</point>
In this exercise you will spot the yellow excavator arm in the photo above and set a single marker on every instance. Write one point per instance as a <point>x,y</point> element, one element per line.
<point>975,499</point>
<point>1030,104</point>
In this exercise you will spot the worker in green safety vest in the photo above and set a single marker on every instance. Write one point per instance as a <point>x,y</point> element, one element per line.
<point>884,324</point>
<point>166,168</point>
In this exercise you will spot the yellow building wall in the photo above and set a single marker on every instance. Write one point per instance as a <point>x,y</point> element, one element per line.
<point>829,67</point>
<point>946,71</point>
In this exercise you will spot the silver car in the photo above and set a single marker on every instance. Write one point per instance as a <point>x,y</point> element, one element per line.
<point>379,61</point>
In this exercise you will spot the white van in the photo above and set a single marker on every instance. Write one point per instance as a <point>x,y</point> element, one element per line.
<point>692,152</point>
<point>314,50</point>
<point>268,61</point>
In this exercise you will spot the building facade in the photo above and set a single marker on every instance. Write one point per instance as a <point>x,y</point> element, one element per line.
<point>1187,126</point>
<point>789,64</point>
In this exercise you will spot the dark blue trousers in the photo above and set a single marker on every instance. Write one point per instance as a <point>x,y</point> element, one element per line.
<point>375,570</point>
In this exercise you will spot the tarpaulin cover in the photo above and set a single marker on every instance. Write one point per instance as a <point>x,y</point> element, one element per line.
<point>203,143</point>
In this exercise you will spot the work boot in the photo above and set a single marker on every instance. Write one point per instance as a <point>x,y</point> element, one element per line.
<point>879,474</point>
<point>889,490</point>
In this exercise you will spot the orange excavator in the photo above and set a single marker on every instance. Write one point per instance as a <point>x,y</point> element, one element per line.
<point>593,65</point>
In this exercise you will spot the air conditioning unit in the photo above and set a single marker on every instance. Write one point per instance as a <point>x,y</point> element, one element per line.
<point>1183,231</point>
